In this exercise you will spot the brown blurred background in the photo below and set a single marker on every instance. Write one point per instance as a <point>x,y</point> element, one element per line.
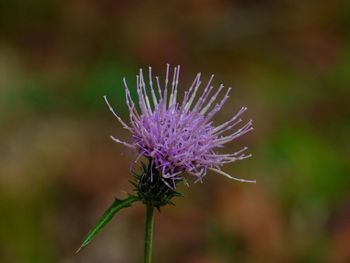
<point>288,61</point>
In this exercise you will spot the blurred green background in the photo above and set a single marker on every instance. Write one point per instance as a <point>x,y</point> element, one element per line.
<point>288,61</point>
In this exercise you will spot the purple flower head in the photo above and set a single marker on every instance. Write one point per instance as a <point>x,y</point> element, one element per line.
<point>178,135</point>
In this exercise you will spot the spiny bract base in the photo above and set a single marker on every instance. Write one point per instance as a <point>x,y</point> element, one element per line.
<point>152,188</point>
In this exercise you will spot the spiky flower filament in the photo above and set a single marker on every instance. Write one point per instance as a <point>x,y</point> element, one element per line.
<point>181,137</point>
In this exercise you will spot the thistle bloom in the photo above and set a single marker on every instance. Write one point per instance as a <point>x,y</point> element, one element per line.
<point>178,136</point>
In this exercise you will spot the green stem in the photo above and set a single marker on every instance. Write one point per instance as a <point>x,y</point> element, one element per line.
<point>148,234</point>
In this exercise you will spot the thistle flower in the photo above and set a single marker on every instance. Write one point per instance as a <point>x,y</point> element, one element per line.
<point>179,136</point>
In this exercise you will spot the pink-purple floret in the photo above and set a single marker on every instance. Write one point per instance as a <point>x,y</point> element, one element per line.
<point>180,137</point>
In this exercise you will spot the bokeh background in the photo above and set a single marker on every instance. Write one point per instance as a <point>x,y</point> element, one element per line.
<point>288,61</point>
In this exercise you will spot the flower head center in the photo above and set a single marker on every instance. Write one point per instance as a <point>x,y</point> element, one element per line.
<point>175,140</point>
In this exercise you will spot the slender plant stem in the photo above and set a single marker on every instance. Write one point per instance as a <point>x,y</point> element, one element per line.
<point>148,234</point>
